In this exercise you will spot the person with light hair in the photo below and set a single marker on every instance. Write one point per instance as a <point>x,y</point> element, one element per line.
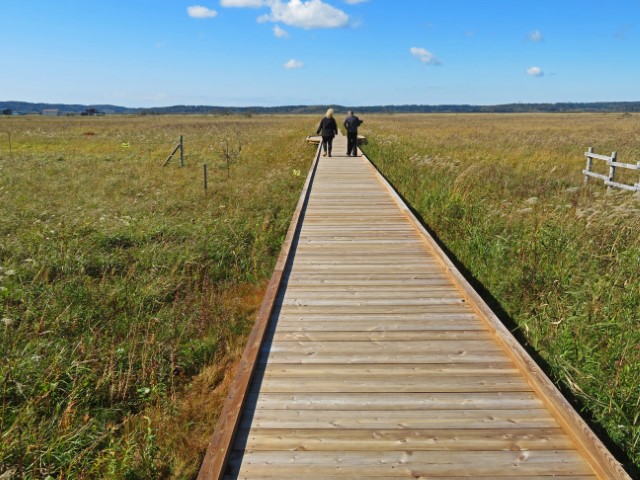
<point>328,128</point>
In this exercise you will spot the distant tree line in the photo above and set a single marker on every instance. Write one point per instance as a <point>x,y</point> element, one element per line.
<point>36,108</point>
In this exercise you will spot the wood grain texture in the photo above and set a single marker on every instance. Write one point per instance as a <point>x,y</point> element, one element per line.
<point>413,440</point>
<point>408,464</point>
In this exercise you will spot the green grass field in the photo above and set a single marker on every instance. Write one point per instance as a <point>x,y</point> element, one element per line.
<point>126,293</point>
<point>504,194</point>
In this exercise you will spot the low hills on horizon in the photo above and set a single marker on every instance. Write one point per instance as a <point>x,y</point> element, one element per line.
<point>28,108</point>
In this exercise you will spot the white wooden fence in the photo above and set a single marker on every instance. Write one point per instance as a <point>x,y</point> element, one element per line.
<point>612,163</point>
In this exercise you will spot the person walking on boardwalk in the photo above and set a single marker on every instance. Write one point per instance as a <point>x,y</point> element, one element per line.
<point>328,128</point>
<point>351,123</point>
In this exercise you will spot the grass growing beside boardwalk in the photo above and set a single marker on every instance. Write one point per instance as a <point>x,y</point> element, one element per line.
<point>125,293</point>
<point>504,194</point>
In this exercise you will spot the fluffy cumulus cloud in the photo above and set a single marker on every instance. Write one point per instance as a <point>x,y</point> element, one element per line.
<point>535,72</point>
<point>307,15</point>
<point>280,32</point>
<point>425,56</point>
<point>198,11</point>
<point>535,36</point>
<point>291,64</point>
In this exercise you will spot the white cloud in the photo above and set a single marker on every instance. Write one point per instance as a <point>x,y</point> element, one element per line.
<point>198,11</point>
<point>279,32</point>
<point>243,3</point>
<point>305,14</point>
<point>291,64</point>
<point>425,56</point>
<point>535,36</point>
<point>535,72</point>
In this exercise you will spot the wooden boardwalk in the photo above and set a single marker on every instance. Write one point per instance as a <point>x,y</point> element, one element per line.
<point>373,358</point>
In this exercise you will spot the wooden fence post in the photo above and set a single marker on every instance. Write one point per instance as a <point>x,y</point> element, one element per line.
<point>205,177</point>
<point>180,147</point>
<point>612,168</point>
<point>589,165</point>
<point>181,152</point>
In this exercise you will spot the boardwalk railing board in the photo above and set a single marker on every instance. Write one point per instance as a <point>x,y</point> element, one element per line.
<point>218,451</point>
<point>612,163</point>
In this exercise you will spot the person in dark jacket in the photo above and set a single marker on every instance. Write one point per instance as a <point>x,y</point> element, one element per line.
<point>351,123</point>
<point>328,128</point>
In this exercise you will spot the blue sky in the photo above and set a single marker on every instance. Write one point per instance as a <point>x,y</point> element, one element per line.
<point>143,53</point>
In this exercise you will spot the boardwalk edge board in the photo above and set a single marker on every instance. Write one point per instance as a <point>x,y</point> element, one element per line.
<point>217,454</point>
<point>595,452</point>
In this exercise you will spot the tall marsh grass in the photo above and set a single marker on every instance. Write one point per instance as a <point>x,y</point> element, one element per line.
<point>126,293</point>
<point>505,195</point>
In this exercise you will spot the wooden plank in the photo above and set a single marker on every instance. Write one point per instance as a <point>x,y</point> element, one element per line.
<point>629,166</point>
<point>398,401</point>
<point>448,370</point>
<point>356,476</point>
<point>392,348</point>
<point>390,384</point>
<point>596,175</point>
<point>377,336</point>
<point>460,356</point>
<point>606,158</point>
<point>434,313</point>
<point>425,294</point>
<point>624,186</point>
<point>363,280</point>
<point>345,254</point>
<point>361,264</point>
<point>309,301</point>
<point>409,420</point>
<point>348,289</point>
<point>373,310</point>
<point>398,324</point>
<point>355,440</point>
<point>410,464</point>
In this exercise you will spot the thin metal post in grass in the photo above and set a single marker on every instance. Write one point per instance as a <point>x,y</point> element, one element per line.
<point>589,164</point>
<point>205,177</point>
